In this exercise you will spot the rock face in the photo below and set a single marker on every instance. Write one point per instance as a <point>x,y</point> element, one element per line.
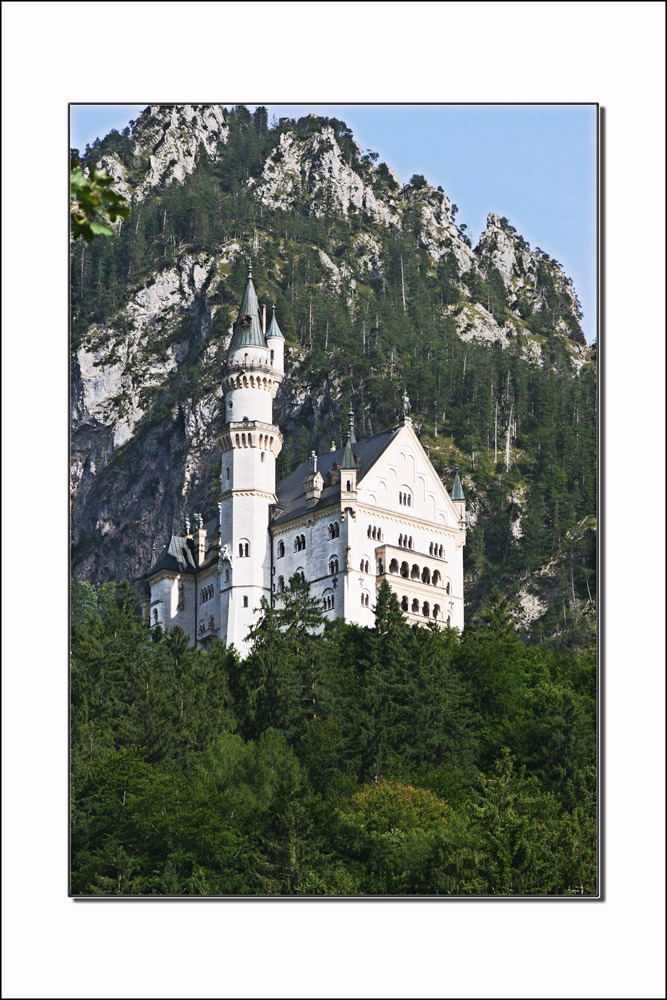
<point>167,143</point>
<point>146,381</point>
<point>521,270</point>
<point>315,168</point>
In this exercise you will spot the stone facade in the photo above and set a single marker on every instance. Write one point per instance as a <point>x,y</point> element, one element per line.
<point>375,510</point>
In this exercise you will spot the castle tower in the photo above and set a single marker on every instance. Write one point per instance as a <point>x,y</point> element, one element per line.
<point>250,443</point>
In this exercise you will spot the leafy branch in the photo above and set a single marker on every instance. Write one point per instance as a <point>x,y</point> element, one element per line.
<point>94,203</point>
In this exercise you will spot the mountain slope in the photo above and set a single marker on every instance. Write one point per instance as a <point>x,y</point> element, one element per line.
<point>376,287</point>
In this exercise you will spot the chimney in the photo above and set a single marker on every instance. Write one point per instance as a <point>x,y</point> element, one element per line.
<point>313,482</point>
<point>199,539</point>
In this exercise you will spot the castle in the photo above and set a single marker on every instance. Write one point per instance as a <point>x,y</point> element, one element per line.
<point>374,510</point>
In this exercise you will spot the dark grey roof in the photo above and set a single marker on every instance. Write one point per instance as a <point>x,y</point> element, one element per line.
<point>248,328</point>
<point>274,329</point>
<point>290,492</point>
<point>348,455</point>
<point>457,488</point>
<point>176,557</point>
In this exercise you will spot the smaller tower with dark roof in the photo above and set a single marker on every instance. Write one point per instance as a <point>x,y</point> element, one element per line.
<point>458,499</point>
<point>348,468</point>
<point>276,344</point>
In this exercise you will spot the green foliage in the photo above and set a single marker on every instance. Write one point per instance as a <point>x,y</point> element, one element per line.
<point>93,203</point>
<point>332,761</point>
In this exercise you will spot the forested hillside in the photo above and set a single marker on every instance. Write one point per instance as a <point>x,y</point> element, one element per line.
<point>395,760</point>
<point>377,286</point>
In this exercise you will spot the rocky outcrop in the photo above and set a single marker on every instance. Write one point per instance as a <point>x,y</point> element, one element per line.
<point>534,281</point>
<point>316,170</point>
<point>120,374</point>
<point>438,233</point>
<point>168,141</point>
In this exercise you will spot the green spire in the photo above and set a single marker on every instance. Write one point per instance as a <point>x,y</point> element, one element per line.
<point>248,327</point>
<point>348,456</point>
<point>274,329</point>
<point>457,489</point>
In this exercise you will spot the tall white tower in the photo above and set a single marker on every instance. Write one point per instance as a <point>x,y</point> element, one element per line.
<point>250,443</point>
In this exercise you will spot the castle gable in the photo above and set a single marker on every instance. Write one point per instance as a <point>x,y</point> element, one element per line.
<point>403,479</point>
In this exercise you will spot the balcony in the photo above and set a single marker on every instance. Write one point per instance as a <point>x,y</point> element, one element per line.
<point>418,569</point>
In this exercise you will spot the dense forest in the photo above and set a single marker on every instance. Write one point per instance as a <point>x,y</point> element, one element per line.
<point>334,760</point>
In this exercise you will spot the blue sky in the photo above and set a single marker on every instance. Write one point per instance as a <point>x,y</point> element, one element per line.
<point>535,164</point>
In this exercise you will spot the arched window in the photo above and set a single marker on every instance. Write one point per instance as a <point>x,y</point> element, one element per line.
<point>379,534</point>
<point>430,549</point>
<point>400,541</point>
<point>361,567</point>
<point>449,621</point>
<point>448,588</point>
<point>441,552</point>
<point>380,567</point>
<point>349,486</point>
<point>436,611</point>
<point>426,610</point>
<point>281,549</point>
<point>336,531</point>
<point>369,531</point>
<point>297,544</point>
<point>244,548</point>
<point>426,575</point>
<point>226,576</point>
<point>281,585</point>
<point>211,622</point>
<point>374,533</point>
<point>303,542</point>
<point>435,579</point>
<point>155,616</point>
<point>404,603</point>
<point>333,566</point>
<point>393,566</point>
<point>262,456</point>
<point>245,602</point>
<point>414,572</point>
<point>410,542</point>
<point>415,607</point>
<point>405,570</point>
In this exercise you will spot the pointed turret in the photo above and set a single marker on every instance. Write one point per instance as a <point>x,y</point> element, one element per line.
<point>348,457</point>
<point>458,498</point>
<point>274,329</point>
<point>248,326</point>
<point>348,467</point>
<point>276,344</point>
